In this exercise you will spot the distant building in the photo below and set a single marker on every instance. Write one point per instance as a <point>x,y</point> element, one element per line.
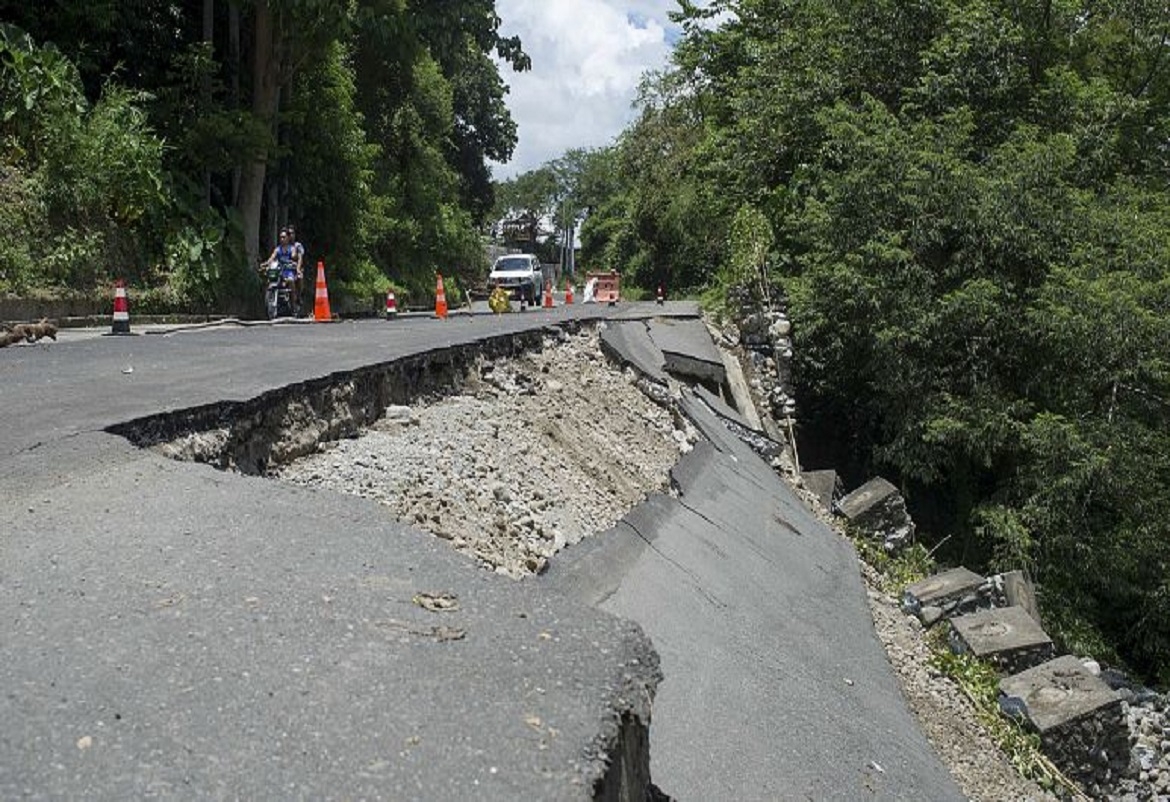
<point>522,232</point>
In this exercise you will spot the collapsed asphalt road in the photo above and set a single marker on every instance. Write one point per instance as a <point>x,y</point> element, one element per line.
<point>178,630</point>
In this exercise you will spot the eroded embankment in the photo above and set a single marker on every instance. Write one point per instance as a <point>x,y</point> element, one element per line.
<point>510,452</point>
<point>278,426</point>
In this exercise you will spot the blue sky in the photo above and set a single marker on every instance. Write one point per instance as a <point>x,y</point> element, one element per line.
<point>587,59</point>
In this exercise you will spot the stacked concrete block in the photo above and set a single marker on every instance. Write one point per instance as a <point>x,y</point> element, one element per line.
<point>877,511</point>
<point>943,595</point>
<point>1008,637</point>
<point>1079,718</point>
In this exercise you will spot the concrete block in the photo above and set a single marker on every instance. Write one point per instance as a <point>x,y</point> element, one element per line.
<point>1020,593</point>
<point>823,485</point>
<point>866,498</point>
<point>1079,718</point>
<point>940,589</point>
<point>1007,636</point>
<point>878,510</point>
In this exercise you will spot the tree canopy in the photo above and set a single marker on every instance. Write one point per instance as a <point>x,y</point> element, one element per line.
<point>967,206</point>
<point>167,141</point>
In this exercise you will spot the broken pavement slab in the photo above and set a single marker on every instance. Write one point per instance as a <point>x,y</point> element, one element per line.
<point>723,409</point>
<point>688,350</point>
<point>211,634</point>
<point>1005,636</point>
<point>776,686</point>
<point>629,343</point>
<point>730,422</point>
<point>1079,718</point>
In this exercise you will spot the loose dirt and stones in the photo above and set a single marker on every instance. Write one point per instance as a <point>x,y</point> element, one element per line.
<point>535,453</point>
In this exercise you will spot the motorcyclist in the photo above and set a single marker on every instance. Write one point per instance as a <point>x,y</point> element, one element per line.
<point>299,258</point>
<point>285,255</point>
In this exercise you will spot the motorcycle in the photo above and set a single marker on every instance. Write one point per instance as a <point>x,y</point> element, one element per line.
<point>279,290</point>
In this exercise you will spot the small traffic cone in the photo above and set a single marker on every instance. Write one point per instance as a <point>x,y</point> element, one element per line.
<point>548,303</point>
<point>440,299</point>
<point>568,293</point>
<point>321,312</point>
<point>391,305</point>
<point>121,308</point>
<point>661,295</point>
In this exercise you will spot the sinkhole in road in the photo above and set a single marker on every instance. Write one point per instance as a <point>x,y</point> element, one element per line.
<point>510,449</point>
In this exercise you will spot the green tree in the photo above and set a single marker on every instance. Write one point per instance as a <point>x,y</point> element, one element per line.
<point>968,203</point>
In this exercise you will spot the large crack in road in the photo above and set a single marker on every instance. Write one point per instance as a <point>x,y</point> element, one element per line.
<point>510,454</point>
<point>533,453</point>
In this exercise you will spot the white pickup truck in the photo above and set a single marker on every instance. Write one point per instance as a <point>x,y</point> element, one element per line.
<point>520,274</point>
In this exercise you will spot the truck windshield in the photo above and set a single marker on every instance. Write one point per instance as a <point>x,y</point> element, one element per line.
<point>513,265</point>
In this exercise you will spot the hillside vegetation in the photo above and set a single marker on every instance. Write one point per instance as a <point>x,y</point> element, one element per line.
<point>166,142</point>
<point>966,204</point>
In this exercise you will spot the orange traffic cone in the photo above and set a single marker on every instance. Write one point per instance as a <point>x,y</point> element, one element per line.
<point>321,311</point>
<point>548,304</point>
<point>391,305</point>
<point>121,308</point>
<point>440,299</point>
<point>568,292</point>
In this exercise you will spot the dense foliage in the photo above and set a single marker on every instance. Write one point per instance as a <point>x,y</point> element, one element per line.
<point>967,205</point>
<point>166,142</point>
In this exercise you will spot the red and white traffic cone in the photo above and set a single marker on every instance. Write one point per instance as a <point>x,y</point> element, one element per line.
<point>391,305</point>
<point>321,311</point>
<point>121,308</point>
<point>661,295</point>
<point>440,298</point>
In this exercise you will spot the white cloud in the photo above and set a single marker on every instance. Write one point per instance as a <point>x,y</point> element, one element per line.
<point>588,57</point>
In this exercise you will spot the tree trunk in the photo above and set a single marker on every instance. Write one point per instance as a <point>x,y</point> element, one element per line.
<point>265,94</point>
<point>205,85</point>
<point>234,72</point>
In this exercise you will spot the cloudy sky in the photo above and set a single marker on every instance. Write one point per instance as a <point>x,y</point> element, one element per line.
<point>587,59</point>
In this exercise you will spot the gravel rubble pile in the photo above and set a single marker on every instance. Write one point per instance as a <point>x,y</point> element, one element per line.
<point>1148,717</point>
<point>537,453</point>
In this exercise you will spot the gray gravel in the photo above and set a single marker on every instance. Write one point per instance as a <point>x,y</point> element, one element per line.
<point>538,452</point>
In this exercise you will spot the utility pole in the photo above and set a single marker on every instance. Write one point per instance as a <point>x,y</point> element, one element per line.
<point>572,248</point>
<point>566,246</point>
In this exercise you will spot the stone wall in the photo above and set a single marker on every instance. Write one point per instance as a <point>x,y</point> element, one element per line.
<point>762,328</point>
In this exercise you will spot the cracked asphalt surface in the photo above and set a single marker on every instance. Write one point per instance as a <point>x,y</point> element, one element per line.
<point>176,630</point>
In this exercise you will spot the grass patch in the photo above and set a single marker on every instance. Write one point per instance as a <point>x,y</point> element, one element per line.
<point>899,570</point>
